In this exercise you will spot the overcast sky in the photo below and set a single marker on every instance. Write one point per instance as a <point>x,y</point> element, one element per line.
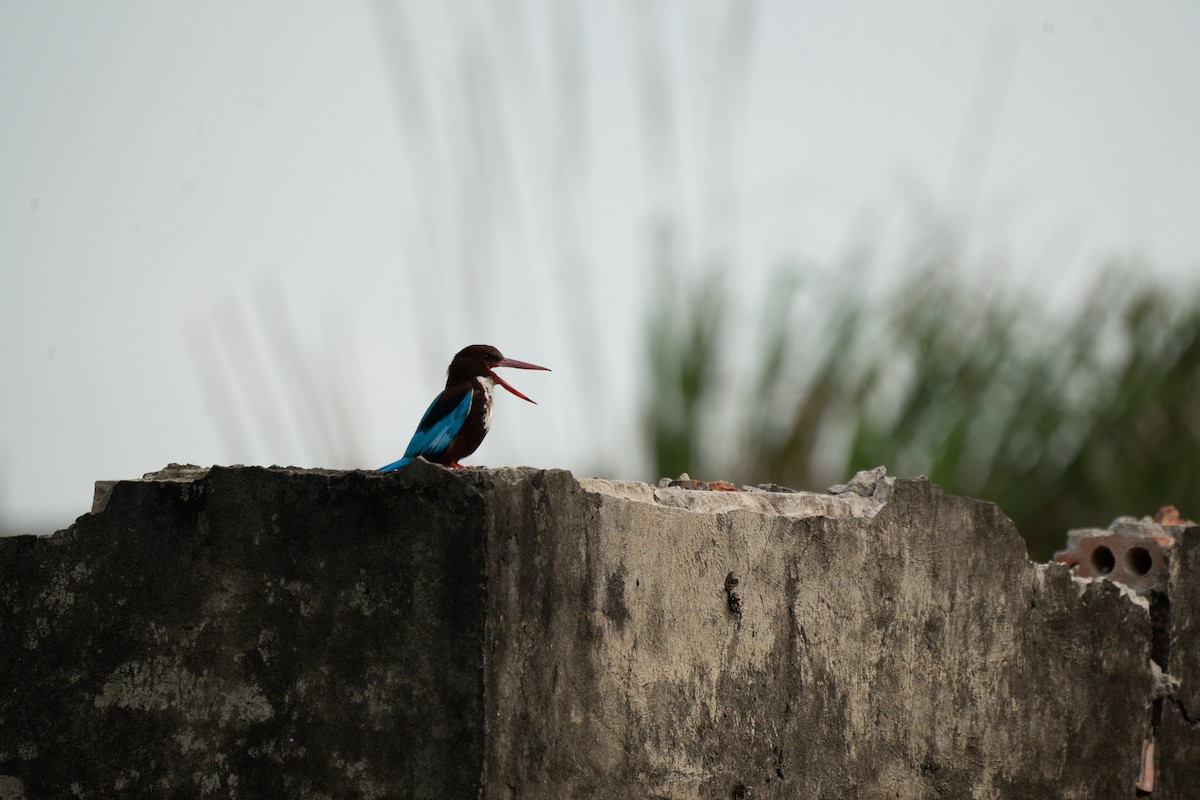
<point>251,232</point>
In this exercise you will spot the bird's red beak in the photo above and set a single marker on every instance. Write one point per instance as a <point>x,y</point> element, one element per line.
<point>512,362</point>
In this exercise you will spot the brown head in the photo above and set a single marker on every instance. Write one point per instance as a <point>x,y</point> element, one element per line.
<point>478,361</point>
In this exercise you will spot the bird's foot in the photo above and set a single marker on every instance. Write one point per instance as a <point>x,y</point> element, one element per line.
<point>456,465</point>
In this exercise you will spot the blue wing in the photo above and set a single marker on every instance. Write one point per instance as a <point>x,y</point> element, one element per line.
<point>442,421</point>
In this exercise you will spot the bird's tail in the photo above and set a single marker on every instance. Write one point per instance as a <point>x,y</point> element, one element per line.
<point>395,465</point>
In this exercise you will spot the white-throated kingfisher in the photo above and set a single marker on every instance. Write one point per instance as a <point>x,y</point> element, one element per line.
<point>459,417</point>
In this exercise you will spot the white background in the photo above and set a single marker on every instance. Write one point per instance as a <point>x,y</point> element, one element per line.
<point>255,232</point>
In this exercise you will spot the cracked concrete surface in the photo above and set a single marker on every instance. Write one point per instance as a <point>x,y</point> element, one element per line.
<point>1179,727</point>
<point>248,632</point>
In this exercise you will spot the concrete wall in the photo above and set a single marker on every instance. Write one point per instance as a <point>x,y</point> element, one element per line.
<point>245,632</point>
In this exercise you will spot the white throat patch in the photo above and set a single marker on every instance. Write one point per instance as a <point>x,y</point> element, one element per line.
<point>487,384</point>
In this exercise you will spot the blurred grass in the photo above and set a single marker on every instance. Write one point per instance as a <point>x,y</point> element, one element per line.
<point>1064,420</point>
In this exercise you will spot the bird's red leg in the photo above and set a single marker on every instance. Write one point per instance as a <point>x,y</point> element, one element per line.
<point>456,465</point>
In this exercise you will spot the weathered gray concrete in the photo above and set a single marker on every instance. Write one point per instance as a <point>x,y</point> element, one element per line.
<point>436,633</point>
<point>1179,731</point>
<point>250,633</point>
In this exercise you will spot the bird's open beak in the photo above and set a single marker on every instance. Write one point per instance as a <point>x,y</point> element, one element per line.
<point>512,362</point>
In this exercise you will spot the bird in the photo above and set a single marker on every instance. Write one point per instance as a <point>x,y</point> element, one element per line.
<point>457,420</point>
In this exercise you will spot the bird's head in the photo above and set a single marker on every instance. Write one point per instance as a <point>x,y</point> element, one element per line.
<point>479,360</point>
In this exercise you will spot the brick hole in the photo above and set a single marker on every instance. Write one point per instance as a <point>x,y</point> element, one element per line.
<point>1103,560</point>
<point>1138,560</point>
